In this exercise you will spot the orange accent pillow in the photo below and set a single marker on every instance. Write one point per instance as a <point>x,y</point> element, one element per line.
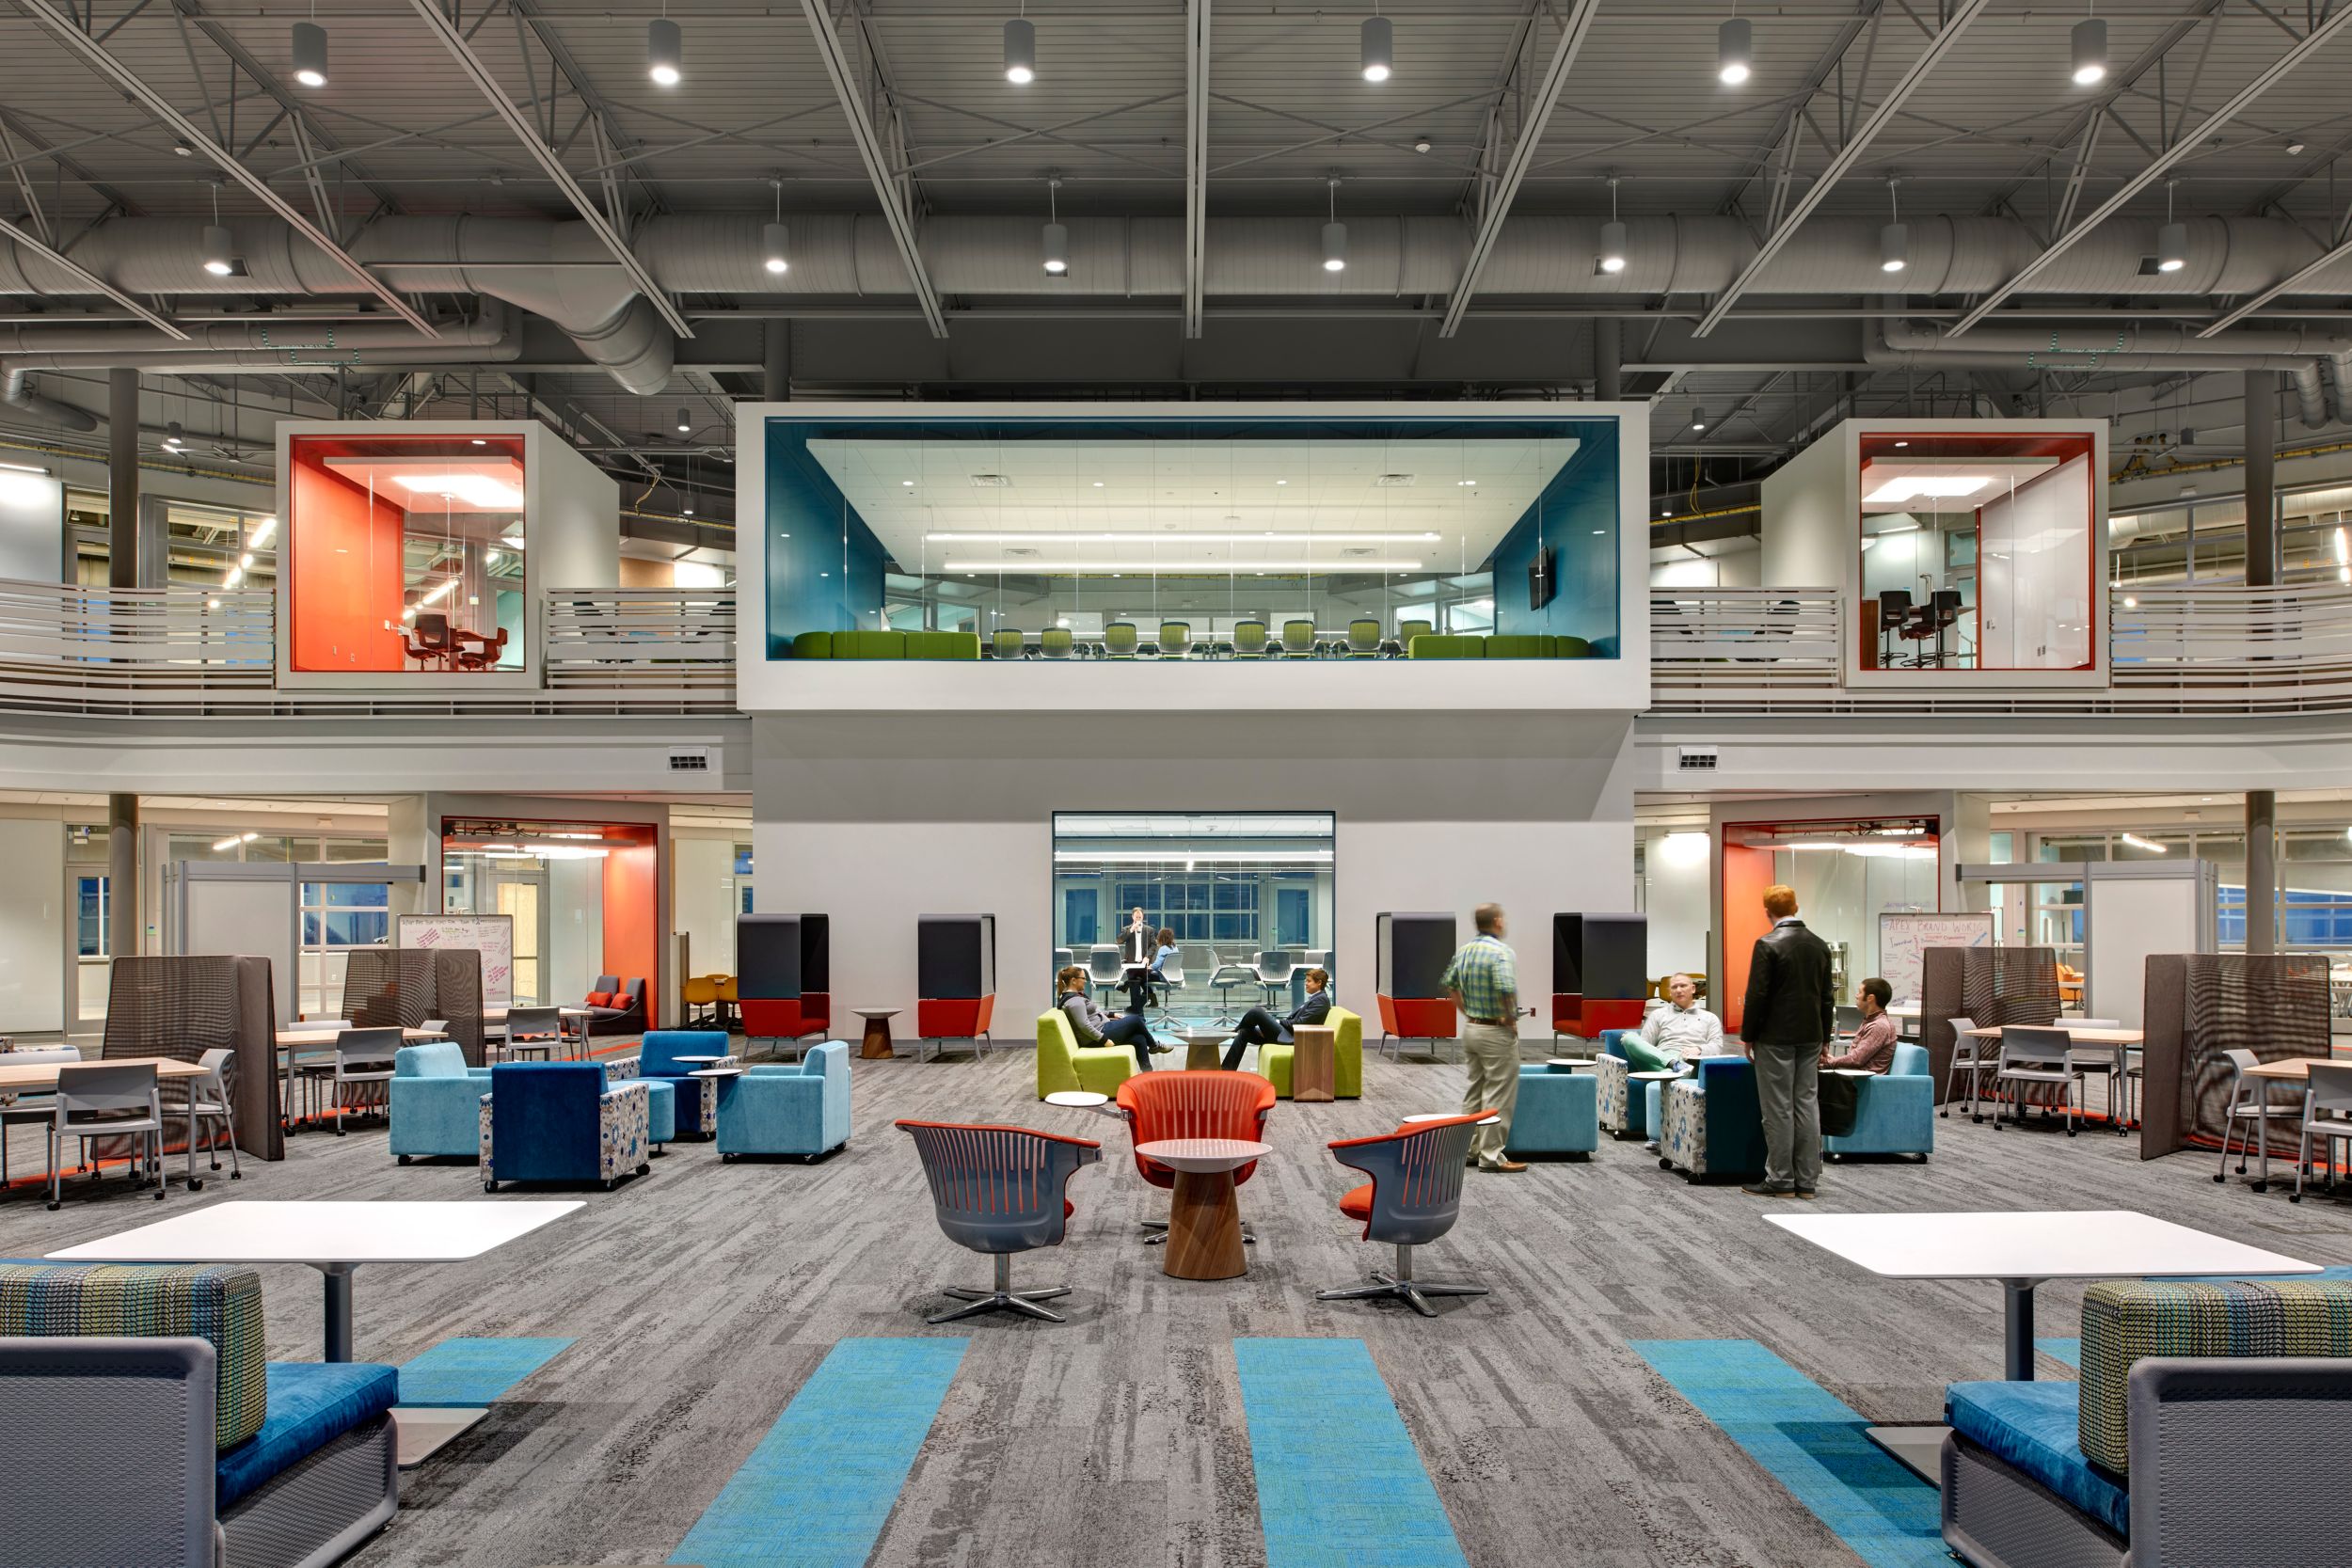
<point>600,999</point>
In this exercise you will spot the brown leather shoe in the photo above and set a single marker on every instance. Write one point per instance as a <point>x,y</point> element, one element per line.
<point>1506,1166</point>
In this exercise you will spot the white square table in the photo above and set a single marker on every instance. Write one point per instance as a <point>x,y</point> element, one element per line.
<point>333,1237</point>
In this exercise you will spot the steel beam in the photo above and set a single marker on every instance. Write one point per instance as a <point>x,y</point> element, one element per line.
<point>89,279</point>
<point>1572,31</point>
<point>878,169</point>
<point>114,70</point>
<point>605,226</point>
<point>1196,160</point>
<point>296,109</point>
<point>2244,99</point>
<point>1845,158</point>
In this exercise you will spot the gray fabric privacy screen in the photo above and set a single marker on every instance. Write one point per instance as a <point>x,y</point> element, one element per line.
<point>1989,986</point>
<point>404,986</point>
<point>2200,1005</point>
<point>180,1007</point>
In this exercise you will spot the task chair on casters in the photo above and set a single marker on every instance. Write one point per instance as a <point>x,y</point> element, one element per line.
<point>1207,1102</point>
<point>1227,978</point>
<point>998,1191</point>
<point>1105,970</point>
<point>1414,1197</point>
<point>1170,980</point>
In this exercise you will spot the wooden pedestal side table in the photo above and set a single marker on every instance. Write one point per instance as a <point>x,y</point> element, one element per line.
<point>1314,1063</point>
<point>1204,1048</point>
<point>875,1045</point>
<point>1203,1218</point>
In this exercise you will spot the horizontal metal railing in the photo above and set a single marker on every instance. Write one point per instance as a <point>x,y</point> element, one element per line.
<point>639,639</point>
<point>1743,638</point>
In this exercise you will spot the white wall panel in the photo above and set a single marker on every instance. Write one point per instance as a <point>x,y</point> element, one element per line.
<point>33,922</point>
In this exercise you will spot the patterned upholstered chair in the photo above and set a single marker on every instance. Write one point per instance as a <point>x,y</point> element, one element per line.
<point>558,1121</point>
<point>1558,1113</point>
<point>1347,1058</point>
<point>2191,1439</point>
<point>156,1373</point>
<point>1714,1124</point>
<point>1622,1101</point>
<point>998,1191</point>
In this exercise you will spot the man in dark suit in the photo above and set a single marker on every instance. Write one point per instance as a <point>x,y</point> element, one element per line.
<point>1788,1017</point>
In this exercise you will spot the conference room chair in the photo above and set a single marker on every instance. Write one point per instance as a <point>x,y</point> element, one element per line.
<point>1056,643</point>
<point>1165,986</point>
<point>2252,1106</point>
<point>1298,639</point>
<point>2326,1115</point>
<point>360,1075</point>
<point>38,1108</point>
<point>1407,630</point>
<point>700,996</point>
<point>1227,978</point>
<point>1970,1055</point>
<point>1893,610</point>
<point>1008,644</point>
<point>1363,639</point>
<point>107,1100</point>
<point>533,1030</point>
<point>1413,1199</point>
<point>1119,640</point>
<point>1175,639</point>
<point>1207,1102</point>
<point>1250,639</point>
<point>1274,972</point>
<point>1105,970</point>
<point>211,1107</point>
<point>998,1191</point>
<point>2038,1061</point>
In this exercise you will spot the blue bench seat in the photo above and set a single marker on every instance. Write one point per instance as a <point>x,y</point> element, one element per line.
<point>311,1405</point>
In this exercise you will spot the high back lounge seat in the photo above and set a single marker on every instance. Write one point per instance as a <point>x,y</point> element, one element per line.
<point>1414,1197</point>
<point>998,1191</point>
<point>1063,1064</point>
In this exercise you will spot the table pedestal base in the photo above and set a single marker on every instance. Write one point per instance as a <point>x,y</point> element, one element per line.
<point>875,1046</point>
<point>1202,1053</point>
<point>1204,1228</point>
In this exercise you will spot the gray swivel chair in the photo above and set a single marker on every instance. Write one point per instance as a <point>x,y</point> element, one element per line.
<point>2044,1057</point>
<point>107,1100</point>
<point>2326,1116</point>
<point>1274,968</point>
<point>1414,1197</point>
<point>1298,639</point>
<point>210,1103</point>
<point>532,1032</point>
<point>1227,978</point>
<point>998,1191</point>
<point>1105,969</point>
<point>2251,1107</point>
<point>1167,983</point>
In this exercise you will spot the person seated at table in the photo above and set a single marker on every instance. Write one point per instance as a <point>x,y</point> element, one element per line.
<point>1261,1028</point>
<point>1873,1048</point>
<point>1093,1026</point>
<point>1141,981</point>
<point>1682,1028</point>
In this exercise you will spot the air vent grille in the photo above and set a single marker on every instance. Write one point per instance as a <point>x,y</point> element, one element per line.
<point>992,482</point>
<point>1695,759</point>
<point>692,760</point>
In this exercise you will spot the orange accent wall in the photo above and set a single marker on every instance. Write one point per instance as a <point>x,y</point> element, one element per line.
<point>347,572</point>
<point>631,943</point>
<point>1747,872</point>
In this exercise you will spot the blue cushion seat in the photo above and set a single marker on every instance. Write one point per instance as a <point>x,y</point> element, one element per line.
<point>311,1405</point>
<point>2033,1428</point>
<point>1558,1113</point>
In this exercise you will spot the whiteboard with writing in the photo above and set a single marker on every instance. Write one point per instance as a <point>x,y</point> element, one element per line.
<point>491,935</point>
<point>1904,940</point>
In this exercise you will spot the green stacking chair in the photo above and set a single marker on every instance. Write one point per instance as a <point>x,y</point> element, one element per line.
<point>1250,639</point>
<point>1009,644</point>
<point>1407,630</point>
<point>1120,638</point>
<point>1055,642</point>
<point>1298,639</point>
<point>1175,639</point>
<point>1363,639</point>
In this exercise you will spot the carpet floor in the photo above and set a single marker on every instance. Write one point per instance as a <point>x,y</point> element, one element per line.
<point>701,1298</point>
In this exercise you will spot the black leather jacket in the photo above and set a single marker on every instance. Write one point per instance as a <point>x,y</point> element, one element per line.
<point>1788,1000</point>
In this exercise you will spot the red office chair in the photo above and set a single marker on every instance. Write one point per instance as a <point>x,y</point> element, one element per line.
<point>1414,1197</point>
<point>1000,1190</point>
<point>1200,1103</point>
<point>1387,1018</point>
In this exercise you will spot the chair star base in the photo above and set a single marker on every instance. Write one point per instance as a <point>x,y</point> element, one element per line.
<point>1001,1298</point>
<point>1403,1285</point>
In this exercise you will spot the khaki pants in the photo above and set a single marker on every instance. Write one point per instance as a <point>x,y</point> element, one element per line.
<point>1788,1089</point>
<point>1490,1052</point>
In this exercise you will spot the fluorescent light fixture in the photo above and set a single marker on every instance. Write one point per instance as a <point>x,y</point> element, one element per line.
<point>236,576</point>
<point>2342,554</point>
<point>1378,41</point>
<point>1735,50</point>
<point>514,542</point>
<point>474,489</point>
<point>245,561</point>
<point>1911,487</point>
<point>2090,52</point>
<point>261,531</point>
<point>235,839</point>
<point>1896,528</point>
<point>1156,568</point>
<point>1020,51</point>
<point>24,468</point>
<point>1205,856</point>
<point>2148,844</point>
<point>1182,538</point>
<point>438,594</point>
<point>309,53</point>
<point>665,52</point>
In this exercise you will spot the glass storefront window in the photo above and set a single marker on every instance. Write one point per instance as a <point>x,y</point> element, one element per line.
<point>405,553</point>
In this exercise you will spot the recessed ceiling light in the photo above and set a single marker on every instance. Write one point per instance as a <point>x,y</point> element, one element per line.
<point>907,484</point>
<point>1098,484</point>
<point>1902,443</point>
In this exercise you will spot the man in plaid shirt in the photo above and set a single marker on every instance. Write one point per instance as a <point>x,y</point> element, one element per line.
<point>1484,980</point>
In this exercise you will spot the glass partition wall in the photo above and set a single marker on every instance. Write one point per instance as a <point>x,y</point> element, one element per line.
<point>1246,895</point>
<point>1243,538</point>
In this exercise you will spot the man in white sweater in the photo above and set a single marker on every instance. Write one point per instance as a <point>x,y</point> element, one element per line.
<point>1683,1029</point>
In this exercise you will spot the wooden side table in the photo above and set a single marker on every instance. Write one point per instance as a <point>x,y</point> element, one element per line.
<point>1314,1063</point>
<point>1204,1048</point>
<point>875,1046</point>
<point>1203,1218</point>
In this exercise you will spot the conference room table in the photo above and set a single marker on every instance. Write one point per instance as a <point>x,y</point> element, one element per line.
<point>42,1078</point>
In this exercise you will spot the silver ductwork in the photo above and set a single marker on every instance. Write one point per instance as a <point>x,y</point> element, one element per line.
<point>2340,387</point>
<point>16,391</point>
<point>2310,400</point>
<point>2139,346</point>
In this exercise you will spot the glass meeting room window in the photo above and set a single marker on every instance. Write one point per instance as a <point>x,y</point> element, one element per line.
<point>1240,538</point>
<point>405,553</point>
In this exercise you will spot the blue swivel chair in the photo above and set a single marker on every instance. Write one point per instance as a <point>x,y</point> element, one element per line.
<point>800,1109</point>
<point>558,1121</point>
<point>1414,1197</point>
<point>698,1114</point>
<point>1893,1113</point>
<point>998,1191</point>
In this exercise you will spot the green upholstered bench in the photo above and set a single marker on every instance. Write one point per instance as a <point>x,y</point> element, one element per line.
<point>1436,645</point>
<point>943,644</point>
<point>1571,647</point>
<point>1517,645</point>
<point>813,645</point>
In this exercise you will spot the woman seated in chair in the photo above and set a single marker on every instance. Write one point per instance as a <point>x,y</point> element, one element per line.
<point>1260,1027</point>
<point>1093,1026</point>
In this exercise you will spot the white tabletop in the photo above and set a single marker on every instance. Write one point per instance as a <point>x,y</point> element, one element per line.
<point>1567,1061</point>
<point>1443,1116</point>
<point>1203,1154</point>
<point>877,1012</point>
<point>2093,1243</point>
<point>1083,1099</point>
<point>321,1233</point>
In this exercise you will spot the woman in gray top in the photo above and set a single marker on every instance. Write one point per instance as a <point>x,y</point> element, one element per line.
<point>1093,1026</point>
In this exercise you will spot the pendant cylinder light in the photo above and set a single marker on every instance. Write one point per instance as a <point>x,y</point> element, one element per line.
<point>1335,247</point>
<point>775,247</point>
<point>665,52</point>
<point>220,258</point>
<point>1058,248</point>
<point>1735,50</point>
<point>684,421</point>
<point>2172,247</point>
<point>1894,248</point>
<point>1379,48</point>
<point>309,53</point>
<point>1613,247</point>
<point>1021,51</point>
<point>2090,51</point>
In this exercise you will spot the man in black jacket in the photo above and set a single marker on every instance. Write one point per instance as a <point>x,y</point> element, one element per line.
<point>1787,1019</point>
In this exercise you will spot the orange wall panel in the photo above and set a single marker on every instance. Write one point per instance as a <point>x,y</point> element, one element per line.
<point>1747,872</point>
<point>632,938</point>
<point>346,574</point>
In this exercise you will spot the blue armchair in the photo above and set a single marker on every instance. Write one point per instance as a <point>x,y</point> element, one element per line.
<point>697,1114</point>
<point>557,1121</point>
<point>437,1101</point>
<point>1713,1123</point>
<point>1558,1113</point>
<point>1626,1105</point>
<point>1894,1113</point>
<point>774,1109</point>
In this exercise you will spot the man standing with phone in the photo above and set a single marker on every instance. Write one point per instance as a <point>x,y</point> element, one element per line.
<point>1484,980</point>
<point>1786,1020</point>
